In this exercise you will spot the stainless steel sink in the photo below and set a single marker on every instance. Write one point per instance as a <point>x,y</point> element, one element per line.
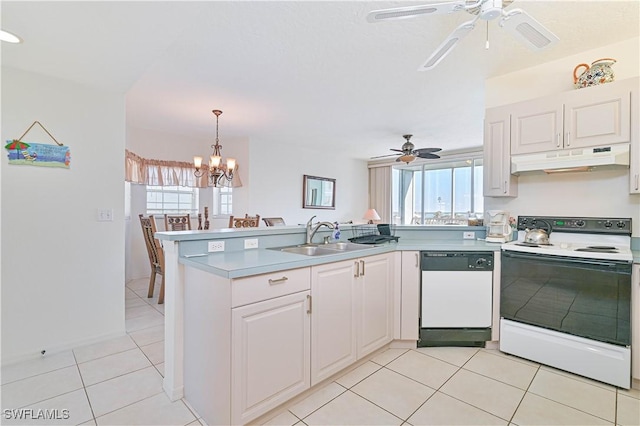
<point>322,249</point>
<point>346,246</point>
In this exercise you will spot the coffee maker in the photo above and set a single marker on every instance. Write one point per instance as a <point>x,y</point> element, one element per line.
<point>498,227</point>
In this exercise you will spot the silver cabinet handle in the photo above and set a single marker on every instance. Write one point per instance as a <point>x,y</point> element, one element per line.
<point>362,263</point>
<point>637,181</point>
<point>417,260</point>
<point>278,281</point>
<point>568,140</point>
<point>309,300</point>
<point>504,191</point>
<point>558,140</point>
<point>357,274</point>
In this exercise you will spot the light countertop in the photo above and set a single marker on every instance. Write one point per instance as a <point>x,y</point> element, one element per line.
<point>242,263</point>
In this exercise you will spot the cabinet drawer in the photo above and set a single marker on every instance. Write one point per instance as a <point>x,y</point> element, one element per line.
<point>267,286</point>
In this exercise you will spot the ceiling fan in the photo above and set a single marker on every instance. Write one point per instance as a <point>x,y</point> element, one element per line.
<point>517,22</point>
<point>408,153</point>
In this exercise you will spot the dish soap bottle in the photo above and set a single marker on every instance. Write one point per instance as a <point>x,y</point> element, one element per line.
<point>336,231</point>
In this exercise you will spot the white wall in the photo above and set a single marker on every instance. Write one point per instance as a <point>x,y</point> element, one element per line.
<point>277,169</point>
<point>62,270</point>
<point>597,193</point>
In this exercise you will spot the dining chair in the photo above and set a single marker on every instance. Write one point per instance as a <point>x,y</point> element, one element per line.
<point>177,222</point>
<point>156,254</point>
<point>206,219</point>
<point>273,221</point>
<point>244,222</point>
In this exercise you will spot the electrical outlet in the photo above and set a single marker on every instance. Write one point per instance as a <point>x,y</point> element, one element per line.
<point>469,235</point>
<point>216,246</point>
<point>251,243</point>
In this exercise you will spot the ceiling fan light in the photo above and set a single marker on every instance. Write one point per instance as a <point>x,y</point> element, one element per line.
<point>406,158</point>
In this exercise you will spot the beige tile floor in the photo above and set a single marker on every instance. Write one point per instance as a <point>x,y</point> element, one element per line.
<point>119,382</point>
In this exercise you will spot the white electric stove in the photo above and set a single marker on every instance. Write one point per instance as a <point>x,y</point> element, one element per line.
<point>568,304</point>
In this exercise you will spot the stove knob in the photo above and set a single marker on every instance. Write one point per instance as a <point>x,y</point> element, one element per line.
<point>608,224</point>
<point>621,224</point>
<point>481,261</point>
<point>580,223</point>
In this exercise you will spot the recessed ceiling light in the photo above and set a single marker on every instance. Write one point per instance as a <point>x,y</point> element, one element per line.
<point>8,37</point>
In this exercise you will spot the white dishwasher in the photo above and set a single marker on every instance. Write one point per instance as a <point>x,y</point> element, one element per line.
<point>456,298</point>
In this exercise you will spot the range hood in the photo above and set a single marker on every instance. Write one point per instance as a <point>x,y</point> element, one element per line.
<point>568,160</point>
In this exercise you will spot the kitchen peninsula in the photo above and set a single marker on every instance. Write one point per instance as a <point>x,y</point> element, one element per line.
<point>248,329</point>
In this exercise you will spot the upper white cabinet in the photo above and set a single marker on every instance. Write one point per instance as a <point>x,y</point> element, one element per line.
<point>592,116</point>
<point>497,178</point>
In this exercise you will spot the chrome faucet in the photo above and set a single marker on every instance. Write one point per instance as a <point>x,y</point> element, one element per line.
<point>311,230</point>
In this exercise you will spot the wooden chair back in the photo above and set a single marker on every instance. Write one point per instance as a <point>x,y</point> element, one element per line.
<point>206,219</point>
<point>273,221</point>
<point>244,222</point>
<point>155,252</point>
<point>181,222</point>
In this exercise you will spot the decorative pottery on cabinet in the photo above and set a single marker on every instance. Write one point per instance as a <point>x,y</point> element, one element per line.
<point>599,72</point>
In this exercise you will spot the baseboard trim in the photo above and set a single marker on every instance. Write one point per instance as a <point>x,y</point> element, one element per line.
<point>14,359</point>
<point>173,394</point>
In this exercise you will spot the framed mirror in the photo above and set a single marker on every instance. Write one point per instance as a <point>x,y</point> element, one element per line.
<point>318,193</point>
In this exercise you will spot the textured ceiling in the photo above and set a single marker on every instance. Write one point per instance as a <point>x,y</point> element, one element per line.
<point>304,72</point>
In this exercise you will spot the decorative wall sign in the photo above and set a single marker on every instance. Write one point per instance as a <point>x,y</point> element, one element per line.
<point>38,154</point>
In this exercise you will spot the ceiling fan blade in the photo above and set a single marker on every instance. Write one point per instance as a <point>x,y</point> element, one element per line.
<point>414,11</point>
<point>428,155</point>
<point>383,156</point>
<point>426,150</point>
<point>527,30</point>
<point>396,150</point>
<point>447,45</point>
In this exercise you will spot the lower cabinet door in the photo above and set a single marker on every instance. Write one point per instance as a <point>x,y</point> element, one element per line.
<point>270,354</point>
<point>375,296</point>
<point>333,319</point>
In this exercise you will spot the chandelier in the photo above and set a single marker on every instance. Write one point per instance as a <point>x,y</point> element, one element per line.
<point>217,170</point>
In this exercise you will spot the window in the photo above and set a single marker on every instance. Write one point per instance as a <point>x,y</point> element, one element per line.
<point>434,190</point>
<point>171,199</point>
<point>222,201</point>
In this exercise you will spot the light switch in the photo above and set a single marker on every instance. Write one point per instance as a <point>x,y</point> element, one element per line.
<point>105,215</point>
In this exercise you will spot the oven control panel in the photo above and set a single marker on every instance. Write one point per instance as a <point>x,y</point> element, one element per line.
<point>591,225</point>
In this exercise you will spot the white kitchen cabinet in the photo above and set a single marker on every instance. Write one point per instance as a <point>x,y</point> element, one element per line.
<point>352,312</point>
<point>635,326</point>
<point>589,117</point>
<point>497,178</point>
<point>374,286</point>
<point>246,342</point>
<point>333,324</point>
<point>410,296</point>
<point>634,163</point>
<point>270,352</point>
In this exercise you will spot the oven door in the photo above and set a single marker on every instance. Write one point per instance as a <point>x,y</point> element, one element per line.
<point>589,298</point>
